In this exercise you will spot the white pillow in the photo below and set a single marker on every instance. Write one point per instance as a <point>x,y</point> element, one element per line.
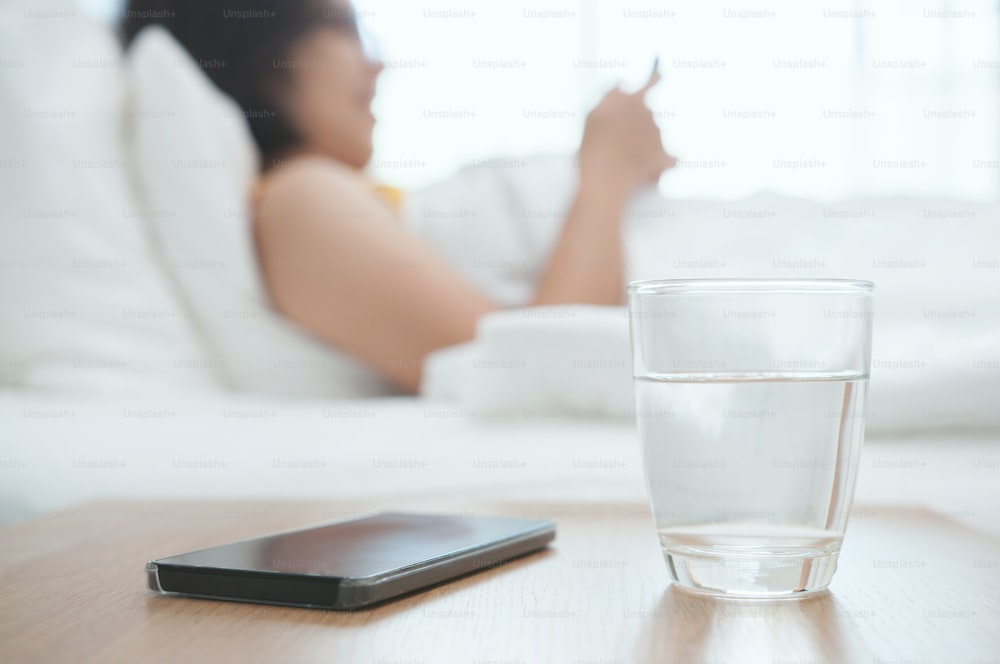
<point>196,163</point>
<point>85,303</point>
<point>496,221</point>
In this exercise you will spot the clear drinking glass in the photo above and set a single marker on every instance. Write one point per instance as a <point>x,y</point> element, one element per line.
<point>750,401</point>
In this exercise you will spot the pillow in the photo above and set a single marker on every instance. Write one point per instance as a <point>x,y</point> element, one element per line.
<point>196,162</point>
<point>85,302</point>
<point>496,221</point>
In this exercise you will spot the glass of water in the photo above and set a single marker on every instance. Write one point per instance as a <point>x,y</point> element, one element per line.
<point>750,402</point>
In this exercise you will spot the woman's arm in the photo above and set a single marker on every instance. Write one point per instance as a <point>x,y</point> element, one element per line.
<point>336,261</point>
<point>621,151</point>
<point>586,264</point>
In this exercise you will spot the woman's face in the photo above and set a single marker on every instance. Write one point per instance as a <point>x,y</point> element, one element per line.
<point>330,88</point>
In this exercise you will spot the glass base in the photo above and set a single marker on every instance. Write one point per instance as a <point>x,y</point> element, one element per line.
<point>763,576</point>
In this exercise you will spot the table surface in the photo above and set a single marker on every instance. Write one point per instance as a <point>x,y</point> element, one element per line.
<point>912,587</point>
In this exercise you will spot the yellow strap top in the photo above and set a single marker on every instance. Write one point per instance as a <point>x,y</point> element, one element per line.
<point>393,196</point>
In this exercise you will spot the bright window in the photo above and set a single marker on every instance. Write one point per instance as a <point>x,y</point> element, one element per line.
<point>816,99</point>
<point>819,99</point>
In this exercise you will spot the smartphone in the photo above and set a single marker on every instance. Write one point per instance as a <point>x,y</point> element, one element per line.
<point>350,564</point>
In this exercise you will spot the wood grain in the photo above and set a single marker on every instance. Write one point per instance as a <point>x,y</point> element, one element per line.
<point>912,587</point>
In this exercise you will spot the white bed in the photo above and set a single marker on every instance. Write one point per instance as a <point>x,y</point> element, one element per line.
<point>58,452</point>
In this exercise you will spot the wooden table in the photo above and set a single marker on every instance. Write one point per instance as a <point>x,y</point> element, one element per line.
<point>912,587</point>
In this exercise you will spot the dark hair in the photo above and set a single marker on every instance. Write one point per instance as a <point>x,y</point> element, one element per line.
<point>240,44</point>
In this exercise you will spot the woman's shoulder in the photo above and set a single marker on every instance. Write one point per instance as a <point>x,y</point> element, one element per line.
<point>301,174</point>
<point>312,182</point>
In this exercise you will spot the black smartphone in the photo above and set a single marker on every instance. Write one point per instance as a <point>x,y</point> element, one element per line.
<point>350,564</point>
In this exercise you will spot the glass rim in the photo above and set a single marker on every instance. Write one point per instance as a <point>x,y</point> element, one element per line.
<point>760,285</point>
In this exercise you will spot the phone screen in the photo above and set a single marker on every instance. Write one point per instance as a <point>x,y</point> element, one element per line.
<point>357,548</point>
<point>356,562</point>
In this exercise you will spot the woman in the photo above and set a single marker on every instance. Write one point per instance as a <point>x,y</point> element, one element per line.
<point>334,256</point>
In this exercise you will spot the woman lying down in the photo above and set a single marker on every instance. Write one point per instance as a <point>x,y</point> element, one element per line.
<point>329,240</point>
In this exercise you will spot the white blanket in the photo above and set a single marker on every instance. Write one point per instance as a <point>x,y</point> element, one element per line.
<point>936,353</point>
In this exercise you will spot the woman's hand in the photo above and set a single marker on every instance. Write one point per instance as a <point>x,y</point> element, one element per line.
<point>621,147</point>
